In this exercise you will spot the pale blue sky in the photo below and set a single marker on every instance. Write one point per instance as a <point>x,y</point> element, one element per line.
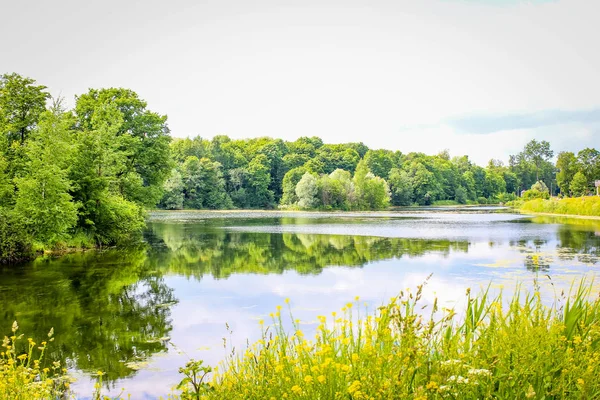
<point>477,77</point>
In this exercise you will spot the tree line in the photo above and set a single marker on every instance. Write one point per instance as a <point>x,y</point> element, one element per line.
<point>82,177</point>
<point>309,174</point>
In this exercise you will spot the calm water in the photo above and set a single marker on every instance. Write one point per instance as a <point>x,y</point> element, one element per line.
<point>139,314</point>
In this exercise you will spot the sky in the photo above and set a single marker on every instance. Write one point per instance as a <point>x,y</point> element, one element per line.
<point>475,77</point>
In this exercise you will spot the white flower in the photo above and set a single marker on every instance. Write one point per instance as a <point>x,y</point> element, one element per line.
<point>479,372</point>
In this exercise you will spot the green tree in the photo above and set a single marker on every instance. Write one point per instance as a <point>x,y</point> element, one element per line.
<point>204,186</point>
<point>21,104</point>
<point>536,153</point>
<point>567,168</point>
<point>144,141</point>
<point>173,191</point>
<point>579,184</point>
<point>307,190</point>
<point>380,162</point>
<point>259,180</point>
<point>400,187</point>
<point>290,180</point>
<point>6,187</point>
<point>589,164</point>
<point>98,163</point>
<point>43,202</point>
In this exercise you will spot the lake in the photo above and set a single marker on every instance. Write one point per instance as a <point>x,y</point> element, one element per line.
<point>139,314</point>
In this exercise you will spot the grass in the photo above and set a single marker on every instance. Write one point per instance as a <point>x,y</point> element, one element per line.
<point>585,206</point>
<point>517,348</point>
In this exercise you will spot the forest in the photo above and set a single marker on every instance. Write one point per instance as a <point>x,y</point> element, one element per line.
<point>83,177</point>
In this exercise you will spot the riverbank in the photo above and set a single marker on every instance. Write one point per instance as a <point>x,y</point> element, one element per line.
<point>521,348</point>
<point>586,207</point>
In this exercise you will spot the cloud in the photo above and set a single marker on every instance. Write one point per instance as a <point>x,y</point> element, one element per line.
<point>484,124</point>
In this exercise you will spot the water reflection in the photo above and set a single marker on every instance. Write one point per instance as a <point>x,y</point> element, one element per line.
<point>196,252</point>
<point>114,310</point>
<point>106,307</point>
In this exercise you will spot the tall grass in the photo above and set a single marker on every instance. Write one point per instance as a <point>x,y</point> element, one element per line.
<point>519,349</point>
<point>586,206</point>
<point>22,373</point>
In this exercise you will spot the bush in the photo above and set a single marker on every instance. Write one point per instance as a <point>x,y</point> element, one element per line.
<point>535,194</point>
<point>482,200</point>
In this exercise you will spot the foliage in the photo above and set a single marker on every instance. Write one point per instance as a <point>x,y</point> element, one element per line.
<point>587,206</point>
<point>579,184</point>
<point>523,350</point>
<point>306,191</point>
<point>21,104</point>
<point>538,190</point>
<point>43,203</point>
<point>142,137</point>
<point>80,176</point>
<point>23,374</point>
<point>15,243</point>
<point>567,168</point>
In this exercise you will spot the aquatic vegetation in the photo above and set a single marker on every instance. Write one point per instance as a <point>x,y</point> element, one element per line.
<point>410,350</point>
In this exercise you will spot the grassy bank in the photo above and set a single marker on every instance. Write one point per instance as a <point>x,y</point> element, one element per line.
<point>523,350</point>
<point>497,348</point>
<point>584,206</point>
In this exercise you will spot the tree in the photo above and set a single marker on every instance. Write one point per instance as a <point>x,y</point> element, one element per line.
<point>579,184</point>
<point>6,187</point>
<point>21,104</point>
<point>98,162</point>
<point>204,186</point>
<point>259,194</point>
<point>144,141</point>
<point>380,162</point>
<point>290,180</point>
<point>400,187</point>
<point>589,164</point>
<point>173,191</point>
<point>376,193</point>
<point>43,202</point>
<point>307,190</point>
<point>537,152</point>
<point>567,168</point>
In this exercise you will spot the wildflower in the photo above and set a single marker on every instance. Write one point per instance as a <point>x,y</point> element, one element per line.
<point>479,372</point>
<point>577,340</point>
<point>450,362</point>
<point>530,392</point>
<point>308,379</point>
<point>580,382</point>
<point>278,308</point>
<point>431,386</point>
<point>15,326</point>
<point>321,378</point>
<point>354,357</point>
<point>354,387</point>
<point>287,300</point>
<point>296,389</point>
<point>261,321</point>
